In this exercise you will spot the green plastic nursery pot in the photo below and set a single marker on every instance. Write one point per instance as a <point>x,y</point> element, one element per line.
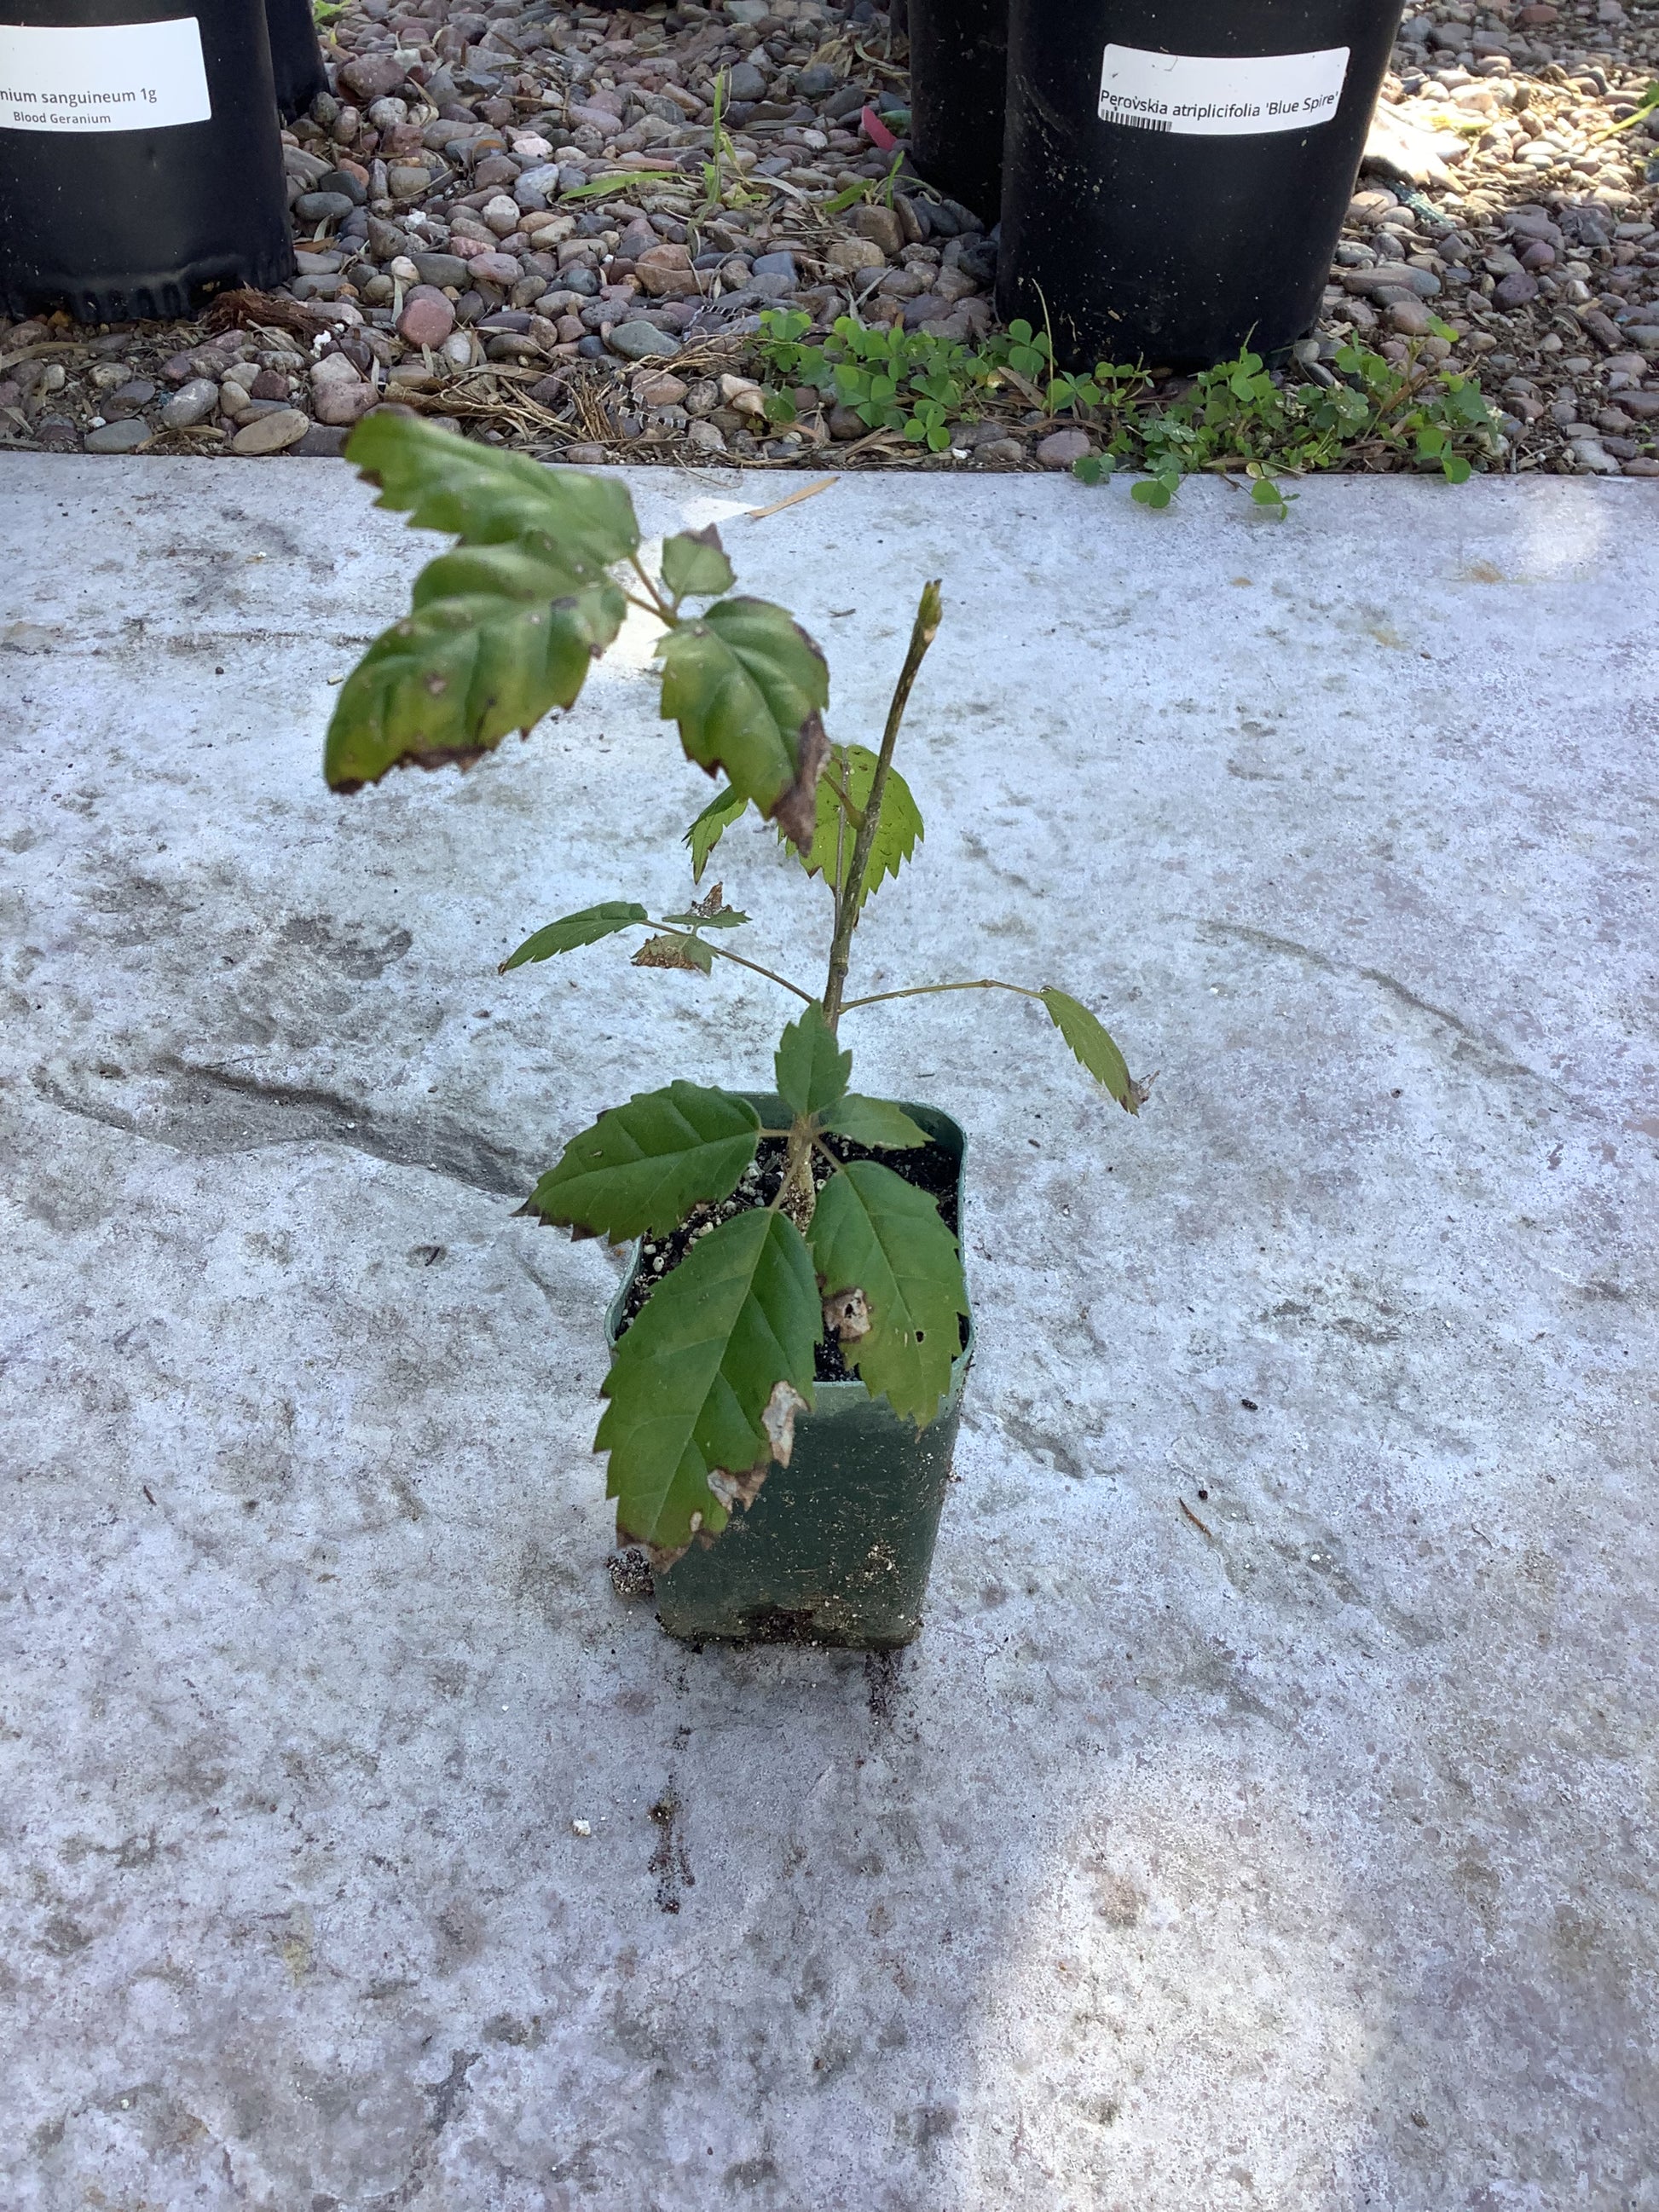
<point>837,1547</point>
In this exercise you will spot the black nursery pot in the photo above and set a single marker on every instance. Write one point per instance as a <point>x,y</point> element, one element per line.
<point>296,55</point>
<point>837,1547</point>
<point>1176,174</point>
<point>141,158</point>
<point>958,79</point>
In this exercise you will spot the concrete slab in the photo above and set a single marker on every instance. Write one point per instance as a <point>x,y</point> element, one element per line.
<point>1264,1818</point>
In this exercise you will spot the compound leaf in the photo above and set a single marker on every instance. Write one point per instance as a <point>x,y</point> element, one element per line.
<point>876,1122</point>
<point>1093,1047</point>
<point>874,1232</point>
<point>501,630</point>
<point>897,833</point>
<point>487,498</point>
<point>711,825</point>
<point>695,566</point>
<point>642,1167</point>
<point>587,927</point>
<point>812,1069</point>
<point>725,1340</point>
<point>747,687</point>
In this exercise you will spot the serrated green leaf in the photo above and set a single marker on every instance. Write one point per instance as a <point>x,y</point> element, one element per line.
<point>812,1069</point>
<point>747,687</point>
<point>1093,1047</point>
<point>446,685</point>
<point>695,566</point>
<point>503,629</point>
<point>710,826</point>
<point>876,1122</point>
<point>694,1378</point>
<point>642,1167</point>
<point>484,496</point>
<point>874,1232</point>
<point>897,833</point>
<point>508,572</point>
<point>587,927</point>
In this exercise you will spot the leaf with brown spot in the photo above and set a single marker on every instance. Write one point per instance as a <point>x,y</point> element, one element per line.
<point>847,1315</point>
<point>447,683</point>
<point>748,688</point>
<point>685,952</point>
<point>697,1373</point>
<point>503,627</point>
<point>875,1233</point>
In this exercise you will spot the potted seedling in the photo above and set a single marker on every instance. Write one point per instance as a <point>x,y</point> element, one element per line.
<point>792,1340</point>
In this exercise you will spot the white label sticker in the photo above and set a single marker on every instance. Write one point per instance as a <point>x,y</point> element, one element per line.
<point>1218,96</point>
<point>93,79</point>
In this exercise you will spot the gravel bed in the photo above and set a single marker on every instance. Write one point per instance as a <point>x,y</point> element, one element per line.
<point>462,253</point>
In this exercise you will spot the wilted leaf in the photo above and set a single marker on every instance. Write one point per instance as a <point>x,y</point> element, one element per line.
<point>642,1167</point>
<point>587,927</point>
<point>710,913</point>
<point>488,497</point>
<point>695,566</point>
<point>696,1373</point>
<point>747,687</point>
<point>812,1069</point>
<point>875,1121</point>
<point>447,683</point>
<point>674,952</point>
<point>1094,1047</point>
<point>874,1232</point>
<point>897,833</point>
<point>711,826</point>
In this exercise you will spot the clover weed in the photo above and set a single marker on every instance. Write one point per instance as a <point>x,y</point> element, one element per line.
<point>1238,417</point>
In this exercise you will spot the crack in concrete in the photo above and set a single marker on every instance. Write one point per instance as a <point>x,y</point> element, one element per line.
<point>670,1862</point>
<point>1491,1058</point>
<point>446,2096</point>
<point>209,1112</point>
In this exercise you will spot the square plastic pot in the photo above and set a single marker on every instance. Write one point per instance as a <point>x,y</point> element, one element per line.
<point>837,1547</point>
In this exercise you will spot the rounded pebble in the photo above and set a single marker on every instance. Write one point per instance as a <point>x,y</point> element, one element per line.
<point>191,404</point>
<point>427,318</point>
<point>271,434</point>
<point>121,437</point>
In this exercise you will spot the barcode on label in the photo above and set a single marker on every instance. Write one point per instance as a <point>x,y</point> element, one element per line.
<point>1146,122</point>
